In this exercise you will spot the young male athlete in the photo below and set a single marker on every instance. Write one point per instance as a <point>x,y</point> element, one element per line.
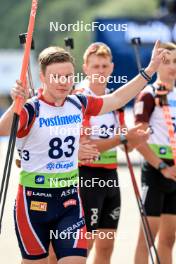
<point>101,204</point>
<point>48,205</point>
<point>159,192</point>
<point>87,153</point>
<point>101,200</point>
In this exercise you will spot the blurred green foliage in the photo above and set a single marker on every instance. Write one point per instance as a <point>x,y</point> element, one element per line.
<point>14,15</point>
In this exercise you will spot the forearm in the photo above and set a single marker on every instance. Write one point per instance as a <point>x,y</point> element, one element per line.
<point>123,95</point>
<point>6,121</point>
<point>149,155</point>
<point>106,144</point>
<point>131,89</point>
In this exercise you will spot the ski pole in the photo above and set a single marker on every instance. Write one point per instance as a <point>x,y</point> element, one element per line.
<point>17,109</point>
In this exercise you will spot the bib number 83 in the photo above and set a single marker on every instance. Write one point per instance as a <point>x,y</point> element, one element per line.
<point>56,147</point>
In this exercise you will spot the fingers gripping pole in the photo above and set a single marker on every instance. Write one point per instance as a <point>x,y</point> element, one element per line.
<point>18,107</point>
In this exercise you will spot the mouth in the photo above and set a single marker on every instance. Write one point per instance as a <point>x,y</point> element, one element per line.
<point>172,73</point>
<point>62,90</point>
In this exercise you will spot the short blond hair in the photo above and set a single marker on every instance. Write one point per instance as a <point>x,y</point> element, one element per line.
<point>54,55</point>
<point>99,49</point>
<point>168,45</point>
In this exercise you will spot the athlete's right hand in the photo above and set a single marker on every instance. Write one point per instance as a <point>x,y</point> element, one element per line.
<point>137,136</point>
<point>87,152</point>
<point>158,56</point>
<point>19,91</point>
<point>169,172</point>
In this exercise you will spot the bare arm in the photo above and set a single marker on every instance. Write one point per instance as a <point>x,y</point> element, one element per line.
<point>7,117</point>
<point>106,144</point>
<point>135,137</point>
<point>6,121</point>
<point>128,91</point>
<point>147,152</point>
<point>151,157</point>
<point>123,95</point>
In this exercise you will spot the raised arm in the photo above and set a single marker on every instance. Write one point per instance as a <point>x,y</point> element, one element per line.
<point>128,91</point>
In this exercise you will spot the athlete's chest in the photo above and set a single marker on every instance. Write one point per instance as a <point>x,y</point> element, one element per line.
<point>65,116</point>
<point>104,126</point>
<point>107,119</point>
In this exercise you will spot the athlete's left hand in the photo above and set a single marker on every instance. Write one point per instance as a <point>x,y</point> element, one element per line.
<point>87,152</point>
<point>137,136</point>
<point>169,172</point>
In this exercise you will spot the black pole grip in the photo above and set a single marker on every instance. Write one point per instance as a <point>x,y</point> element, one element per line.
<point>136,41</point>
<point>23,37</point>
<point>69,42</point>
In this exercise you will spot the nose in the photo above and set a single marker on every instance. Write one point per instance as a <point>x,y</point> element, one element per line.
<point>101,70</point>
<point>62,81</point>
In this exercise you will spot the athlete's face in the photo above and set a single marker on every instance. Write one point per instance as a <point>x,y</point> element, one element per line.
<point>58,79</point>
<point>167,69</point>
<point>98,68</point>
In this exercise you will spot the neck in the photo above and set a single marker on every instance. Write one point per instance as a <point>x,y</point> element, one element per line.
<point>51,99</point>
<point>169,84</point>
<point>98,89</point>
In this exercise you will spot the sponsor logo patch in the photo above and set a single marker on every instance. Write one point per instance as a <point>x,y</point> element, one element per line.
<point>32,193</point>
<point>69,202</point>
<point>59,165</point>
<point>94,216</point>
<point>68,192</point>
<point>59,120</point>
<point>39,179</point>
<point>29,193</point>
<point>115,214</point>
<point>38,206</point>
<point>162,150</point>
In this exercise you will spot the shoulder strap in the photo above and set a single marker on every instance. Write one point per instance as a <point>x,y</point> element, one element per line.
<point>36,106</point>
<point>153,88</point>
<point>32,107</point>
<point>82,98</point>
<point>74,102</point>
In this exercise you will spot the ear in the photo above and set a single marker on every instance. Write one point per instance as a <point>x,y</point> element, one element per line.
<point>84,67</point>
<point>112,67</point>
<point>42,77</point>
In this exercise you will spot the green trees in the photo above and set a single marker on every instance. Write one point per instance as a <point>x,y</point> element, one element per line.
<point>14,19</point>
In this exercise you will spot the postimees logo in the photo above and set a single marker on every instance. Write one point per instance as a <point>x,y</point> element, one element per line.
<point>59,120</point>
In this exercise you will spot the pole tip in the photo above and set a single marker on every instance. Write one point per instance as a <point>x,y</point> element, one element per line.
<point>136,41</point>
